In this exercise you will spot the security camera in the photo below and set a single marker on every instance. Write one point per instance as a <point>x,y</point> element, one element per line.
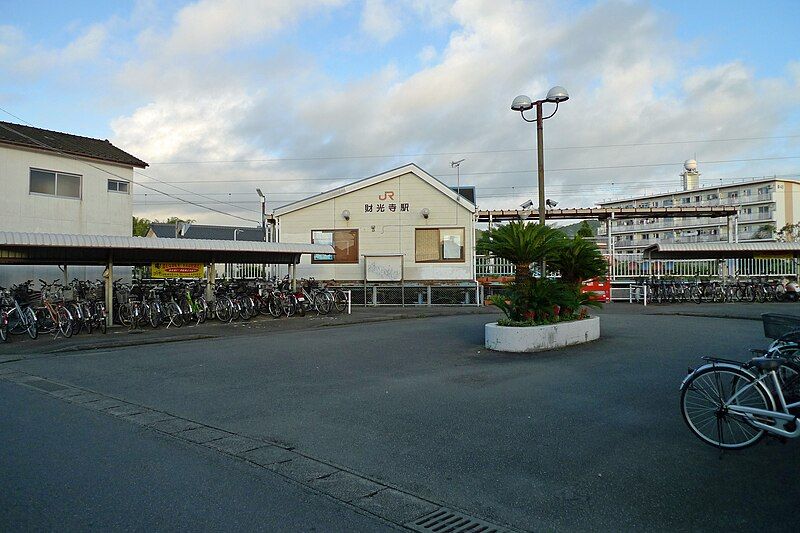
<point>551,203</point>
<point>527,205</point>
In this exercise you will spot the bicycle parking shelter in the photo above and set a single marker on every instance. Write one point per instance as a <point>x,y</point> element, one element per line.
<point>22,248</point>
<point>723,250</point>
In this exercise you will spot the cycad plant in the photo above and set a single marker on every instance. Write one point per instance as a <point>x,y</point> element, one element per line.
<point>522,244</point>
<point>578,260</point>
<point>531,301</point>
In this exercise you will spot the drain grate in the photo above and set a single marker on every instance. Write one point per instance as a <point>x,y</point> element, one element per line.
<point>448,521</point>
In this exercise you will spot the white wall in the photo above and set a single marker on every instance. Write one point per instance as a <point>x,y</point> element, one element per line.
<point>98,212</point>
<point>386,232</point>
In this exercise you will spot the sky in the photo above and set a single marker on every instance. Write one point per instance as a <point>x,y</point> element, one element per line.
<point>224,96</point>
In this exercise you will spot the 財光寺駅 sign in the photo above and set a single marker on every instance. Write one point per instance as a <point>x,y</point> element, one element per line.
<point>177,270</point>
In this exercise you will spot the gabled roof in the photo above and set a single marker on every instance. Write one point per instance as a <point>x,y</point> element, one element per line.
<point>55,141</point>
<point>215,233</point>
<point>372,180</point>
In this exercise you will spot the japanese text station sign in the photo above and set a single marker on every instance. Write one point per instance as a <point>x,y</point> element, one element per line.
<point>387,204</point>
<point>177,270</point>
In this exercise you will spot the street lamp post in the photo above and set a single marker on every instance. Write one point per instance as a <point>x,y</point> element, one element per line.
<point>263,224</point>
<point>523,103</point>
<point>263,213</point>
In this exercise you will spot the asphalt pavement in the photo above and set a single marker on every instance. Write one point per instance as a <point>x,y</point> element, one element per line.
<point>583,438</point>
<point>71,469</point>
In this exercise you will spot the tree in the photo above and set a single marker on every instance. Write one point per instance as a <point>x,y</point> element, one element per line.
<point>140,226</point>
<point>522,244</point>
<point>789,233</point>
<point>764,231</point>
<point>579,260</point>
<point>585,231</point>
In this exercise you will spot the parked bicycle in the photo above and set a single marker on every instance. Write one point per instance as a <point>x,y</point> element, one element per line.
<point>732,404</point>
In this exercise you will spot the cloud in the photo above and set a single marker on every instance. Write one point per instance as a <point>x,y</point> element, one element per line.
<point>380,21</point>
<point>195,96</point>
<point>427,54</point>
<point>210,26</point>
<point>20,56</point>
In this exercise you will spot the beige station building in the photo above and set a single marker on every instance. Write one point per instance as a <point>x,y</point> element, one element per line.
<point>402,225</point>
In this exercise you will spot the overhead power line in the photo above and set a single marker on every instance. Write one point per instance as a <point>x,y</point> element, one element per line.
<point>471,152</point>
<point>498,172</point>
<point>123,178</point>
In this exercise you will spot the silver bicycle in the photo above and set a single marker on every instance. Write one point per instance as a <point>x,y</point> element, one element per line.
<point>733,405</point>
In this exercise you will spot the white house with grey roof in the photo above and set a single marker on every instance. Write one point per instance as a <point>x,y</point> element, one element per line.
<point>55,182</point>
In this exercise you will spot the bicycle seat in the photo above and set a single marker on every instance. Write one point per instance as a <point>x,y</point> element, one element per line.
<point>767,364</point>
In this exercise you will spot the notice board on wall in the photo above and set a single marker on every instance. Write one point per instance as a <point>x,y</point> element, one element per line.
<point>383,267</point>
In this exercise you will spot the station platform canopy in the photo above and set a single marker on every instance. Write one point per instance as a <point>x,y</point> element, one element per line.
<point>20,248</point>
<point>603,213</point>
<point>723,250</point>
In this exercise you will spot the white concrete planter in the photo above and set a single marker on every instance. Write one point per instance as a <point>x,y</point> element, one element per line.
<point>540,338</point>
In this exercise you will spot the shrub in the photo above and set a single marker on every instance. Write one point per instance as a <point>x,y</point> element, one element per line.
<point>536,301</point>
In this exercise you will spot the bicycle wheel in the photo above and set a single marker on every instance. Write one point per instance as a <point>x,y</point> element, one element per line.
<point>44,321</point>
<point>274,306</point>
<point>321,304</point>
<point>223,309</point>
<point>3,326</point>
<point>703,400</point>
<point>88,317</point>
<point>696,295</point>
<point>202,309</point>
<point>246,307</point>
<point>124,315</point>
<point>288,303</point>
<point>66,325</point>
<point>174,315</point>
<point>789,378</point>
<point>30,318</point>
<point>154,314</point>
<point>340,300</point>
<point>101,316</point>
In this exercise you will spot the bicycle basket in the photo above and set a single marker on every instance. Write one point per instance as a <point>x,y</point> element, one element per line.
<point>776,325</point>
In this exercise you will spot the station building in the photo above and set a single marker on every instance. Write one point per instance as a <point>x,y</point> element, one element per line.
<point>402,225</point>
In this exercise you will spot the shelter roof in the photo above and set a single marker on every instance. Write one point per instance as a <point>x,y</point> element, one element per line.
<point>60,249</point>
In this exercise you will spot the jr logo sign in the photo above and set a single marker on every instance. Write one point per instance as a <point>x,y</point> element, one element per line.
<point>388,195</point>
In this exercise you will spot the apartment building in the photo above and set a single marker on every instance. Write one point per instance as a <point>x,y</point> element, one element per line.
<point>765,205</point>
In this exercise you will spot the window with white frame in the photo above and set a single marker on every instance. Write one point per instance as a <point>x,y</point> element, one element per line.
<point>51,183</point>
<point>118,186</point>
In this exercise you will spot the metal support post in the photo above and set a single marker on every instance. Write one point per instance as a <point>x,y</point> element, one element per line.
<point>211,277</point>
<point>109,290</point>
<point>540,162</point>
<point>293,268</point>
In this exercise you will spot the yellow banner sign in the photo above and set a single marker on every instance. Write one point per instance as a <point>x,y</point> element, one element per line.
<point>177,270</point>
<point>778,255</point>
